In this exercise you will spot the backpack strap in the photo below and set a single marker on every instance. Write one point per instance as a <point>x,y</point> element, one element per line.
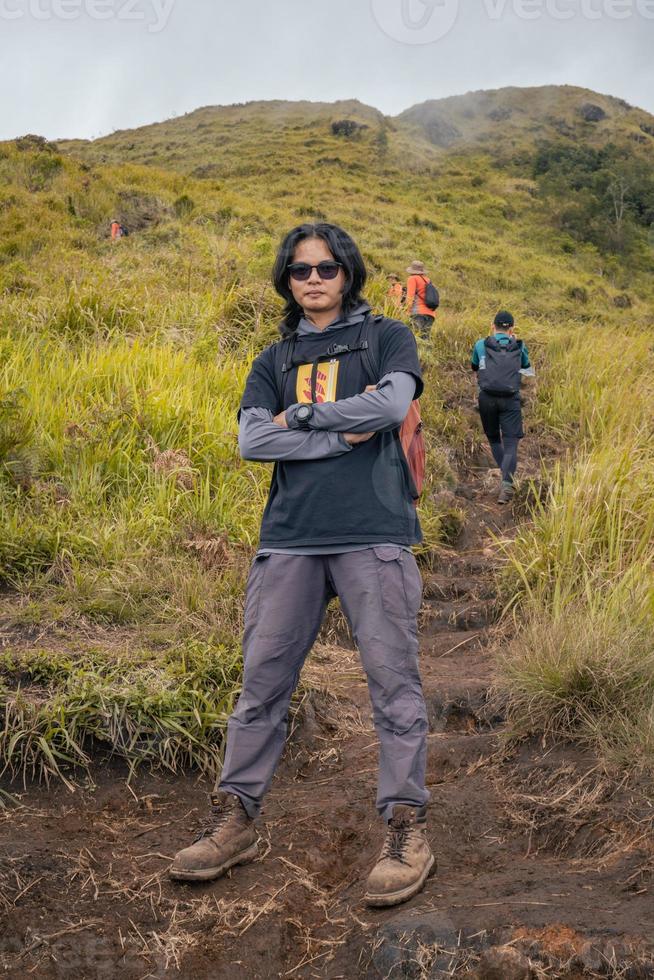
<point>370,334</point>
<point>513,345</point>
<point>336,350</point>
<point>286,360</point>
<point>284,353</point>
<point>361,344</point>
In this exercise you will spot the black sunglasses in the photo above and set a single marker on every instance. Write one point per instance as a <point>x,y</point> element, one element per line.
<point>301,271</point>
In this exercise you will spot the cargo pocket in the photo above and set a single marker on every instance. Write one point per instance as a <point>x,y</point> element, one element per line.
<point>400,583</point>
<point>254,588</point>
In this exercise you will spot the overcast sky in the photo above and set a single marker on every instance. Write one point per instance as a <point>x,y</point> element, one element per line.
<point>83,68</point>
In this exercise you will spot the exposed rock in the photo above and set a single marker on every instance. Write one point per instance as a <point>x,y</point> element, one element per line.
<point>622,301</point>
<point>591,112</point>
<point>348,128</point>
<point>500,114</point>
<point>504,963</point>
<point>139,211</point>
<point>441,133</point>
<point>647,128</point>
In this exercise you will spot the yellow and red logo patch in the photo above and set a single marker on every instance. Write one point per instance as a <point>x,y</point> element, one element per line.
<point>326,380</point>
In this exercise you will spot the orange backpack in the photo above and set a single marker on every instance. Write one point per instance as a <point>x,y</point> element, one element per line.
<point>412,437</point>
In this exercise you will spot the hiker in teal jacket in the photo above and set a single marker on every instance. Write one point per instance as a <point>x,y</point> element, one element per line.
<point>499,362</point>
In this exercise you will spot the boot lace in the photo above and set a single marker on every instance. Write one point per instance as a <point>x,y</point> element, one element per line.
<point>396,843</point>
<point>220,813</point>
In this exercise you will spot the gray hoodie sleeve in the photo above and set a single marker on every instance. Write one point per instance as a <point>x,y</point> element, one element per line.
<point>261,440</point>
<point>371,411</point>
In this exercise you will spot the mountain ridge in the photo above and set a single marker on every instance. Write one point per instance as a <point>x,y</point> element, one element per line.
<point>356,105</point>
<point>214,141</point>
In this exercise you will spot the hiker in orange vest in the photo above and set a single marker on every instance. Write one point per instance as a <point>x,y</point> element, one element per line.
<point>396,291</point>
<point>422,299</point>
<point>118,231</point>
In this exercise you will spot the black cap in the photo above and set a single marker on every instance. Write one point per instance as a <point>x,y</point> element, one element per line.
<point>504,319</point>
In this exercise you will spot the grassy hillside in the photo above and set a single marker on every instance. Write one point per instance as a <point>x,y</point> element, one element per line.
<point>209,142</point>
<point>127,518</point>
<point>509,119</point>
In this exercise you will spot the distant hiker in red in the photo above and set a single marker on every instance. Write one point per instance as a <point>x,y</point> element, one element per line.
<point>326,404</point>
<point>117,231</point>
<point>396,291</point>
<point>422,299</point>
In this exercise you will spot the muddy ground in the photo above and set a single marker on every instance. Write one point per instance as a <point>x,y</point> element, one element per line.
<point>535,849</point>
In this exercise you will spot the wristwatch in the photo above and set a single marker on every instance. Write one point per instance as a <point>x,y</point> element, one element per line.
<point>303,416</point>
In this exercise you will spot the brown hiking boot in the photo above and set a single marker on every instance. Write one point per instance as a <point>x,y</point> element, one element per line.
<point>406,860</point>
<point>233,840</point>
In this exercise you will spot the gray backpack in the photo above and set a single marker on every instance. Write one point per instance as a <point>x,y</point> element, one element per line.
<point>501,372</point>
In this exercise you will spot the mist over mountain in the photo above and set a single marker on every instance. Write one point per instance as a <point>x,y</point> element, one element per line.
<point>496,120</point>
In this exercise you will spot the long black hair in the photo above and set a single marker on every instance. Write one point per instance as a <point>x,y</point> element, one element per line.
<point>343,248</point>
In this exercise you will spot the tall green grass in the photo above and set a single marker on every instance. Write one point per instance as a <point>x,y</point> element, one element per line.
<point>55,710</point>
<point>127,519</point>
<point>128,449</point>
<point>580,576</point>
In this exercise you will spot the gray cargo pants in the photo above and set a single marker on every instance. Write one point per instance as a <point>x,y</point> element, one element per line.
<point>380,590</point>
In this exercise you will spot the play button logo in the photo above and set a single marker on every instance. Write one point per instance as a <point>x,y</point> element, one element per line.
<point>415,21</point>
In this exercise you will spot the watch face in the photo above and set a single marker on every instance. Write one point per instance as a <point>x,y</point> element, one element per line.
<point>304,413</point>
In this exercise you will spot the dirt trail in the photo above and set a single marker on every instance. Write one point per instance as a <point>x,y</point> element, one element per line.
<point>83,886</point>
